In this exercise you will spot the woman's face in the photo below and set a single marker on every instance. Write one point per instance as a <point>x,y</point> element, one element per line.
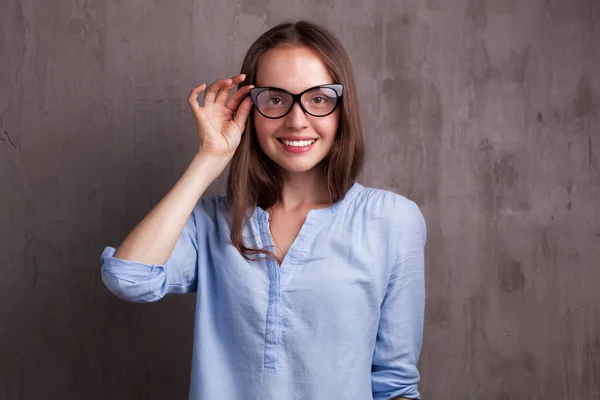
<point>294,69</point>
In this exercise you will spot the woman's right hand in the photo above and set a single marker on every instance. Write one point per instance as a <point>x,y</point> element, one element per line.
<point>219,131</point>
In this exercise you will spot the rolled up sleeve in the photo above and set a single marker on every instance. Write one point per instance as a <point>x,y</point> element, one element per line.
<point>400,332</point>
<point>141,282</point>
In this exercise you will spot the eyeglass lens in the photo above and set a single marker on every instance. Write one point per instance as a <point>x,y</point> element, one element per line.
<point>318,102</point>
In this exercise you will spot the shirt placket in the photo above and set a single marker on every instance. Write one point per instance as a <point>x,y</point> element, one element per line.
<point>277,276</point>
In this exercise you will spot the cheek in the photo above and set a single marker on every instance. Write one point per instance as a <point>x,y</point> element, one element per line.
<point>328,128</point>
<point>264,128</point>
<point>333,123</point>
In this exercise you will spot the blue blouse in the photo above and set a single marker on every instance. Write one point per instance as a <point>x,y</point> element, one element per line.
<point>341,318</point>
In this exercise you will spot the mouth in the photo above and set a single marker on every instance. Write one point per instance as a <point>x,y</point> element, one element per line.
<point>297,146</point>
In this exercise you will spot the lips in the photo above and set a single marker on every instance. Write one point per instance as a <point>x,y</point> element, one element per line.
<point>296,139</point>
<point>298,149</point>
<point>283,140</point>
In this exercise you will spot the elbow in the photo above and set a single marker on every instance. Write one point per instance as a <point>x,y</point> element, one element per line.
<point>389,383</point>
<point>132,281</point>
<point>407,392</point>
<point>135,291</point>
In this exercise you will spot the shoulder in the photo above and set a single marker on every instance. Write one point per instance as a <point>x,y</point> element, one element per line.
<point>381,203</point>
<point>210,206</point>
<point>401,216</point>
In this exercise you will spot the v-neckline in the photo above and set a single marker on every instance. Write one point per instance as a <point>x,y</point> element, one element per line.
<point>275,243</point>
<point>295,252</point>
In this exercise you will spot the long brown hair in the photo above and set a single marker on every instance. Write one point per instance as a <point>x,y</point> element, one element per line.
<point>253,178</point>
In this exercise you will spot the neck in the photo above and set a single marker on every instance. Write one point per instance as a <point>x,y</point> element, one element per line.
<point>306,190</point>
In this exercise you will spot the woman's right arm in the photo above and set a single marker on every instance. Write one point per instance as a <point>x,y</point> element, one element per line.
<point>152,241</point>
<point>159,255</point>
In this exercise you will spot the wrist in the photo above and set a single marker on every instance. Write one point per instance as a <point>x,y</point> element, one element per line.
<point>210,164</point>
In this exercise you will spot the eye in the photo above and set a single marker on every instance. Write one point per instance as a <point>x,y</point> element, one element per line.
<point>275,101</point>
<point>320,99</point>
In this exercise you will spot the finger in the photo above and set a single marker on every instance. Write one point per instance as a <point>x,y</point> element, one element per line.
<point>193,97</point>
<point>242,113</point>
<point>238,96</point>
<point>224,92</point>
<point>211,92</point>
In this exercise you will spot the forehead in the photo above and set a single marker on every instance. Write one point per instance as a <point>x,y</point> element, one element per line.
<point>294,69</point>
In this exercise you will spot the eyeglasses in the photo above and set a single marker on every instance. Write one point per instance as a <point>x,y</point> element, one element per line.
<point>318,101</point>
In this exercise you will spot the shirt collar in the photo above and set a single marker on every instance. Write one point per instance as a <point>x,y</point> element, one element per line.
<point>320,213</point>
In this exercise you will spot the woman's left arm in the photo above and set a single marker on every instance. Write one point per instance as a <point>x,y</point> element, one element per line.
<point>394,372</point>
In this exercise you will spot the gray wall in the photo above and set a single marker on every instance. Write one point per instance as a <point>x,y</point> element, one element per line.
<point>484,112</point>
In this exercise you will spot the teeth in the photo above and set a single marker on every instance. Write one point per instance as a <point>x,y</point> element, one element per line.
<point>301,143</point>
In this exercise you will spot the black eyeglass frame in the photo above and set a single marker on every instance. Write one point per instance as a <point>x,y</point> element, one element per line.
<point>338,88</point>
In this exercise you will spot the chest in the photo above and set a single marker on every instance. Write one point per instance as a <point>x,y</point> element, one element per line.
<point>337,266</point>
<point>284,229</point>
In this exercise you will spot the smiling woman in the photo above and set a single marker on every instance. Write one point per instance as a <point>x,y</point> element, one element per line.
<point>300,70</point>
<point>334,307</point>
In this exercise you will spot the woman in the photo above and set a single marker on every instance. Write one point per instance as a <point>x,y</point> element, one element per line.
<point>335,311</point>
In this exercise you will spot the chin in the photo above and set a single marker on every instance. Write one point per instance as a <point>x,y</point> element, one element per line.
<point>298,166</point>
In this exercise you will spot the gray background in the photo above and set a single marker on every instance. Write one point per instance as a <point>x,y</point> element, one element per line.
<point>486,113</point>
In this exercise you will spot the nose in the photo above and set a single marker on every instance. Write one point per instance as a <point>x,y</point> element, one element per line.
<point>296,118</point>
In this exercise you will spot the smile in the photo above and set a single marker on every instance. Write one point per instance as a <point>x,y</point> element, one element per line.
<point>299,146</point>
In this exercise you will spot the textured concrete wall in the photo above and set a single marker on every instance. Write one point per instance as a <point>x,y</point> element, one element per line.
<point>484,112</point>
